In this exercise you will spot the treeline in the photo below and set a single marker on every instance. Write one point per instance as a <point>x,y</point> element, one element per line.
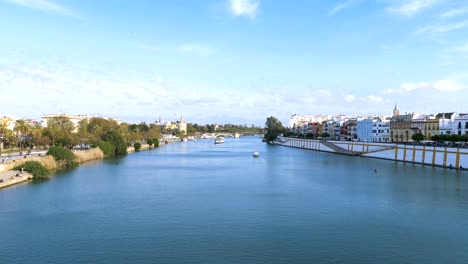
<point>111,137</point>
<point>224,128</point>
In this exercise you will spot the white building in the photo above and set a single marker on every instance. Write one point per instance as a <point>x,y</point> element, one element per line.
<point>297,120</point>
<point>460,124</point>
<point>373,130</point>
<point>446,123</point>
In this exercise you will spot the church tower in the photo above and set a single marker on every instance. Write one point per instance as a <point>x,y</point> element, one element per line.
<point>396,111</point>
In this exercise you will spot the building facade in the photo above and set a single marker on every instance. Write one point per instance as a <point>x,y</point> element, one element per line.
<point>401,128</point>
<point>460,125</point>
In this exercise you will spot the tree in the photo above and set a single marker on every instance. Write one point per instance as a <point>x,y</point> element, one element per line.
<point>36,133</point>
<point>59,127</point>
<point>274,128</point>
<point>118,141</point>
<point>418,137</point>
<point>21,128</point>
<point>435,138</point>
<point>3,129</point>
<point>137,146</point>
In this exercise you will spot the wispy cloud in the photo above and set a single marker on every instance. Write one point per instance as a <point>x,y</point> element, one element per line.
<point>454,12</point>
<point>443,28</point>
<point>412,7</point>
<point>349,98</point>
<point>46,6</point>
<point>247,8</point>
<point>441,85</point>
<point>197,49</point>
<point>341,6</point>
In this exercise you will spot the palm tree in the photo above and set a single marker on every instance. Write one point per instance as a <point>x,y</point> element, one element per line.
<point>3,128</point>
<point>36,133</point>
<point>21,128</point>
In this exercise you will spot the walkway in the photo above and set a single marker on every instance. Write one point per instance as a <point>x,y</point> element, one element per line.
<point>9,178</point>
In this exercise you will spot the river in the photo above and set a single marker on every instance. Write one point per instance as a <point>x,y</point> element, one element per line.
<point>196,202</point>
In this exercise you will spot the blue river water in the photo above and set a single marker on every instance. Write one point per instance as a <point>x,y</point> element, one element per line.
<point>197,202</point>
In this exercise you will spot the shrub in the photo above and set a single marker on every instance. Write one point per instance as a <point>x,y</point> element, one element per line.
<point>137,146</point>
<point>156,142</point>
<point>118,141</point>
<point>149,141</point>
<point>63,155</point>
<point>35,168</point>
<point>107,148</point>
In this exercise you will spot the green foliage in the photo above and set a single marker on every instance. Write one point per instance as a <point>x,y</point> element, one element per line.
<point>118,141</point>
<point>325,135</point>
<point>150,142</point>
<point>156,142</point>
<point>107,148</point>
<point>35,168</point>
<point>418,137</point>
<point>59,128</point>
<point>137,146</point>
<point>63,155</point>
<point>452,138</point>
<point>274,128</point>
<point>309,135</point>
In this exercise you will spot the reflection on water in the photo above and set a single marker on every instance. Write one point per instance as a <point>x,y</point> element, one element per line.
<point>197,202</point>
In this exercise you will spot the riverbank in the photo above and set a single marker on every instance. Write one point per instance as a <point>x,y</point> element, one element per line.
<point>82,156</point>
<point>429,156</point>
<point>9,178</point>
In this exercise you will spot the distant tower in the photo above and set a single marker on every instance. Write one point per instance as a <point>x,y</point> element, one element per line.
<point>160,120</point>
<point>396,111</point>
<point>182,126</point>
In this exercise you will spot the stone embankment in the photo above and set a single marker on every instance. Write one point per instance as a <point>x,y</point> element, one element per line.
<point>143,147</point>
<point>455,158</point>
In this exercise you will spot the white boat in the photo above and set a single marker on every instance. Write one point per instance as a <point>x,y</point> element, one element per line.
<point>219,140</point>
<point>256,154</point>
<point>236,135</point>
<point>191,138</point>
<point>184,140</point>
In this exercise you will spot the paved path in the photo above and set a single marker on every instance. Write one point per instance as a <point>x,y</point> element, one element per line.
<point>9,178</point>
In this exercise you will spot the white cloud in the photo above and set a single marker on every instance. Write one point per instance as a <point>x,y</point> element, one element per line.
<point>454,12</point>
<point>374,99</point>
<point>447,86</point>
<point>441,85</point>
<point>342,6</point>
<point>440,29</point>
<point>46,6</point>
<point>412,7</point>
<point>409,87</point>
<point>244,7</point>
<point>349,98</point>
<point>197,49</point>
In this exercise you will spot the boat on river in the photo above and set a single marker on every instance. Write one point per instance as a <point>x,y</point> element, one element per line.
<point>219,140</point>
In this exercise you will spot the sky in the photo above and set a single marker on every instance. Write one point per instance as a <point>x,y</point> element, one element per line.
<point>232,61</point>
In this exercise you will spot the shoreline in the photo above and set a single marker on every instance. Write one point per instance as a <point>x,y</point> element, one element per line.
<point>46,161</point>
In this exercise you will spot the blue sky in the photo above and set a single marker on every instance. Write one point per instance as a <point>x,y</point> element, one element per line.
<point>235,61</point>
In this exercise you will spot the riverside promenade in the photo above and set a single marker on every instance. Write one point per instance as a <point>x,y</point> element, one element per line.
<point>451,158</point>
<point>9,178</point>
